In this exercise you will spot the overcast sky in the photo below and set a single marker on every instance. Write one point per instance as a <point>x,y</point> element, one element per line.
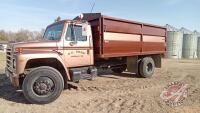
<point>37,14</point>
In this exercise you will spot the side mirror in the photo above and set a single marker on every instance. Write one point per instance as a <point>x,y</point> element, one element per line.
<point>84,29</point>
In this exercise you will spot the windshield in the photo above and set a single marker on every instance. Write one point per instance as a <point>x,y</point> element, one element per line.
<point>54,32</point>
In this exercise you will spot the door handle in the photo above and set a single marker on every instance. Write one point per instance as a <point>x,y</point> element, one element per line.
<point>72,43</point>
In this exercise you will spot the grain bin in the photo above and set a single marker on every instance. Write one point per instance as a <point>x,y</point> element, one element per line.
<point>174,44</point>
<point>198,48</point>
<point>190,46</point>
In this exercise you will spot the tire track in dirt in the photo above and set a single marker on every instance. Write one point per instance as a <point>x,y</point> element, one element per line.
<point>125,88</point>
<point>120,98</point>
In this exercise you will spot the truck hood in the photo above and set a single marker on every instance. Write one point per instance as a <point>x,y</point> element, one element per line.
<point>32,45</point>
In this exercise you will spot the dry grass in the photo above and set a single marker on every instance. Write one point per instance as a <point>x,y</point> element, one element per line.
<point>2,62</point>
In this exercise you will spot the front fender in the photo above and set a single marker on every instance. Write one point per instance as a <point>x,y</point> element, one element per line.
<point>22,59</point>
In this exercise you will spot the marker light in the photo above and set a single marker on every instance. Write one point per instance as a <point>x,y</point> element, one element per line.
<point>19,50</point>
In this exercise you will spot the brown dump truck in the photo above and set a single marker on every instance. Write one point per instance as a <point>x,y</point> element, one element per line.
<point>72,50</point>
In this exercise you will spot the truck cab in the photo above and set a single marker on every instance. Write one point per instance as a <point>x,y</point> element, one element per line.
<point>74,42</point>
<point>66,44</point>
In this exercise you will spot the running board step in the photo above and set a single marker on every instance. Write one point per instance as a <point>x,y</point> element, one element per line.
<point>88,73</point>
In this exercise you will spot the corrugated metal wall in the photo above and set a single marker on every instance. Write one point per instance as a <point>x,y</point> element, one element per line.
<point>182,43</point>
<point>198,48</point>
<point>174,44</point>
<point>190,46</point>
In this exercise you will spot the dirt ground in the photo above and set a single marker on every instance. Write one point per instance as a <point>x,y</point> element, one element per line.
<point>112,93</point>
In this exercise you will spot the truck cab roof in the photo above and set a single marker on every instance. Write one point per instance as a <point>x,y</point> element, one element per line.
<point>68,21</point>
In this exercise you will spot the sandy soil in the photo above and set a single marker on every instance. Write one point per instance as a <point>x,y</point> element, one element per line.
<point>112,93</point>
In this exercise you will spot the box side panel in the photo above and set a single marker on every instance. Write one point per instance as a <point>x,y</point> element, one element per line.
<point>154,39</point>
<point>153,44</point>
<point>153,31</point>
<point>121,27</point>
<point>121,44</point>
<point>123,38</point>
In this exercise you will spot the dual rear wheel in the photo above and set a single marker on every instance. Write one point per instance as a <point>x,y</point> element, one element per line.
<point>146,67</point>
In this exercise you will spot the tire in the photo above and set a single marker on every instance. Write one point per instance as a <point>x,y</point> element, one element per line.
<point>119,69</point>
<point>43,85</point>
<point>146,67</point>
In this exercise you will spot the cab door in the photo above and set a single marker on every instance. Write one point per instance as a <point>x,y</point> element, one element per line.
<point>78,49</point>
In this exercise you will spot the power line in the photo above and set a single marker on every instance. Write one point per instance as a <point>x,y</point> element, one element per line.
<point>92,7</point>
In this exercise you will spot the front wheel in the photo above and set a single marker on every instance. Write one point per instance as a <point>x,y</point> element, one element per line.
<point>43,85</point>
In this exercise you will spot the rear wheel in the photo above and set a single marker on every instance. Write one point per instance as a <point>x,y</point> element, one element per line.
<point>43,85</point>
<point>119,69</point>
<point>146,67</point>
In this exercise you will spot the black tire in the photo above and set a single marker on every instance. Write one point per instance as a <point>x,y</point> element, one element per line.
<point>119,69</point>
<point>146,67</point>
<point>43,85</point>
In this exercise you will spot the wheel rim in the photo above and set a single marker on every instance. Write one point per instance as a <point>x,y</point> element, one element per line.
<point>43,86</point>
<point>149,67</point>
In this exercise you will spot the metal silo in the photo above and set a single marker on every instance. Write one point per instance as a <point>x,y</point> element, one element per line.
<point>190,46</point>
<point>198,48</point>
<point>174,44</point>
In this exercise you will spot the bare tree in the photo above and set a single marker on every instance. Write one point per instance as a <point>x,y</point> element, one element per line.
<point>3,35</point>
<point>21,35</point>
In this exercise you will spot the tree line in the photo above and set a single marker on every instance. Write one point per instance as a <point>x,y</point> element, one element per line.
<point>21,35</point>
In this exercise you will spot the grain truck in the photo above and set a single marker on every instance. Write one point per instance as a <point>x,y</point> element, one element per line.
<point>72,50</point>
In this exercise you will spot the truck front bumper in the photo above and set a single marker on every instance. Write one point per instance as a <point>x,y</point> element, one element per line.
<point>13,78</point>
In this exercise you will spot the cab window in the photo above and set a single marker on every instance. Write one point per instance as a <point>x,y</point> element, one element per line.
<point>74,33</point>
<point>54,32</point>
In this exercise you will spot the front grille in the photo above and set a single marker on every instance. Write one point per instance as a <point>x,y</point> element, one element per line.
<point>9,59</point>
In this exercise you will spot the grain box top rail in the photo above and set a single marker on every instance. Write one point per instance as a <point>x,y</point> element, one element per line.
<point>94,16</point>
